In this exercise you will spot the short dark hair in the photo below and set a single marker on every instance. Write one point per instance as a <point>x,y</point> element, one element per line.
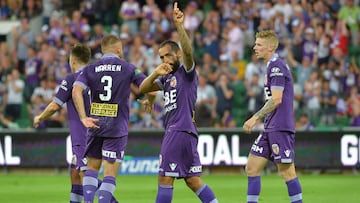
<point>173,45</point>
<point>81,52</point>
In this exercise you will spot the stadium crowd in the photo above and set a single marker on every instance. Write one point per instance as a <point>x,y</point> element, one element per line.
<point>318,39</point>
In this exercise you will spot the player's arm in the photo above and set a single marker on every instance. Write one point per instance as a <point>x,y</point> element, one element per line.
<point>149,84</point>
<point>271,104</point>
<point>184,38</point>
<point>274,101</point>
<point>79,100</point>
<point>49,111</point>
<point>77,95</point>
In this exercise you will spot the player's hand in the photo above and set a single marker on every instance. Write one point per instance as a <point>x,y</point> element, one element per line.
<point>163,69</point>
<point>249,124</point>
<point>149,107</point>
<point>36,121</point>
<point>89,122</point>
<point>177,14</point>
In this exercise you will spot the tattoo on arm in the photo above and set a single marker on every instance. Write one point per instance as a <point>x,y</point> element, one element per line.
<point>268,107</point>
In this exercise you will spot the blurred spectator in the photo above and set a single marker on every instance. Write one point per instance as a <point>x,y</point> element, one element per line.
<point>209,68</point>
<point>254,95</point>
<point>210,38</point>
<point>353,103</point>
<point>5,11</point>
<point>152,59</point>
<point>225,101</point>
<point>328,101</point>
<point>237,66</point>
<point>205,103</point>
<point>234,38</point>
<point>88,10</point>
<point>349,13</point>
<point>32,8</point>
<point>351,76</point>
<point>193,18</point>
<point>105,11</point>
<point>312,90</point>
<point>48,7</point>
<point>15,87</point>
<point>303,123</point>
<point>23,38</point>
<point>32,72</point>
<point>255,67</point>
<point>147,9</point>
<point>341,37</point>
<point>130,13</point>
<point>283,6</point>
<point>302,70</point>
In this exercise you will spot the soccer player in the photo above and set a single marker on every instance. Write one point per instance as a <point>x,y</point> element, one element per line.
<point>108,80</point>
<point>179,157</point>
<point>276,142</point>
<point>79,57</point>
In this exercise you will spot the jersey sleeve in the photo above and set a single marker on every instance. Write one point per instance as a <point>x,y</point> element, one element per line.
<point>277,77</point>
<point>65,91</point>
<point>82,79</point>
<point>138,76</point>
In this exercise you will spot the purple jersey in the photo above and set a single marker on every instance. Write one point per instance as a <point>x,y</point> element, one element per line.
<point>64,95</point>
<point>32,70</point>
<point>109,81</point>
<point>180,93</point>
<point>278,76</point>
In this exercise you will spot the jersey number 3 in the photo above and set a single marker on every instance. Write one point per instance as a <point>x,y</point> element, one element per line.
<point>107,81</point>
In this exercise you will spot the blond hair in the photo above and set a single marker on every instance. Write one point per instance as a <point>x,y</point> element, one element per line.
<point>270,36</point>
<point>108,42</point>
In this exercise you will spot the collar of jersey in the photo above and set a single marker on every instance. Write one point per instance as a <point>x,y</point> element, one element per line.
<point>108,55</point>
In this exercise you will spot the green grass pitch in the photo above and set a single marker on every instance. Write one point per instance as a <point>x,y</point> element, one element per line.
<point>47,188</point>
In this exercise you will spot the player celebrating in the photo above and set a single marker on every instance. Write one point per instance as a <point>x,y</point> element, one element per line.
<point>79,58</point>
<point>109,81</point>
<point>179,157</point>
<point>276,142</point>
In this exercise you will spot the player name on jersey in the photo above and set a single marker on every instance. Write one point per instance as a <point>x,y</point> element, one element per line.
<point>107,67</point>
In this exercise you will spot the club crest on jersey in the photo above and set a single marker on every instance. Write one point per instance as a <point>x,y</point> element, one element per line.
<point>275,148</point>
<point>173,81</point>
<point>63,85</point>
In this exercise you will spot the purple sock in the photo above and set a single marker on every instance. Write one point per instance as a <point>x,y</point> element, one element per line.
<point>164,194</point>
<point>253,192</point>
<point>206,195</point>
<point>90,183</point>
<point>113,199</point>
<point>294,190</point>
<point>76,194</point>
<point>107,189</point>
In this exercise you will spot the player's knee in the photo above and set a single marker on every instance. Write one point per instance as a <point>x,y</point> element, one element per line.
<point>250,170</point>
<point>288,174</point>
<point>194,183</point>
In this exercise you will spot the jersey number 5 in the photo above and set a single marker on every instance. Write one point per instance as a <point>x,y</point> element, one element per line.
<point>107,81</point>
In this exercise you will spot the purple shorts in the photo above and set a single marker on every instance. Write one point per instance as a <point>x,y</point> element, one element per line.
<point>78,160</point>
<point>275,146</point>
<point>179,157</point>
<point>106,148</point>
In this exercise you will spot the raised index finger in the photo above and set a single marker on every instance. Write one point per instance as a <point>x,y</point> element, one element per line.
<point>175,5</point>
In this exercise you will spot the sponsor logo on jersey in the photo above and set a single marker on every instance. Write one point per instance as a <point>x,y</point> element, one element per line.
<point>63,85</point>
<point>102,109</point>
<point>109,154</point>
<point>287,153</point>
<point>195,169</point>
<point>172,166</point>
